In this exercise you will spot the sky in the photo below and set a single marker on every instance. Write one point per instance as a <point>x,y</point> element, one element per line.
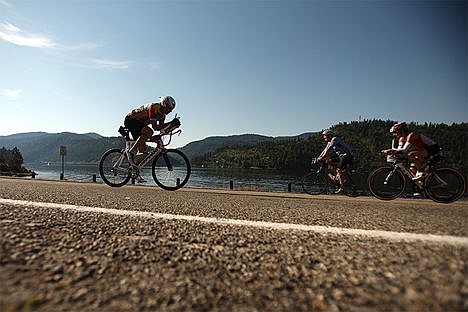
<point>274,68</point>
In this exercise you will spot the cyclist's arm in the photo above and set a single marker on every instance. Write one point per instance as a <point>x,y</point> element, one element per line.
<point>158,124</point>
<point>404,144</point>
<point>403,147</point>
<point>325,151</point>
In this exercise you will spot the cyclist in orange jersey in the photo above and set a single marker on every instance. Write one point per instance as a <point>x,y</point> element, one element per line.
<point>417,146</point>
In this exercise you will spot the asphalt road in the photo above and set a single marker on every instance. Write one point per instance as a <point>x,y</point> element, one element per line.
<point>55,258</point>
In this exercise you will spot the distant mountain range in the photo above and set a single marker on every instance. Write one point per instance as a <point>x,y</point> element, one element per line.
<point>44,147</point>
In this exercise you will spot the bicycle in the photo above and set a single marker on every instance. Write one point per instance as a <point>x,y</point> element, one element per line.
<point>320,180</point>
<point>170,167</point>
<point>441,184</point>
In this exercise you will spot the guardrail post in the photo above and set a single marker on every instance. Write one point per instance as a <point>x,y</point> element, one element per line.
<point>231,185</point>
<point>289,187</point>
<point>94,178</point>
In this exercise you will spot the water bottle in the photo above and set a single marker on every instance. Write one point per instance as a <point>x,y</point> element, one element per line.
<point>331,176</point>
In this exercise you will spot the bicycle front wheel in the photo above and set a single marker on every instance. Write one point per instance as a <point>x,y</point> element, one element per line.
<point>386,183</point>
<point>445,185</point>
<point>314,183</point>
<point>114,168</point>
<point>171,169</point>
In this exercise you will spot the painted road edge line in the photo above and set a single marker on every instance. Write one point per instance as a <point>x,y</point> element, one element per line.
<point>387,235</point>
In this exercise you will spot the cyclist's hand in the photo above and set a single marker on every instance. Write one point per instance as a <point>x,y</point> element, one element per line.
<point>387,151</point>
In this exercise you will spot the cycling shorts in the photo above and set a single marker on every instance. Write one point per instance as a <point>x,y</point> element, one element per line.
<point>134,126</point>
<point>344,161</point>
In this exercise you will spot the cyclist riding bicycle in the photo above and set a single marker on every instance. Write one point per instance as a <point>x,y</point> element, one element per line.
<point>344,155</point>
<point>416,146</point>
<point>139,119</point>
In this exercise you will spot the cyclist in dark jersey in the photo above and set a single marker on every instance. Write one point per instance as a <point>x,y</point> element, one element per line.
<point>139,119</point>
<point>342,151</point>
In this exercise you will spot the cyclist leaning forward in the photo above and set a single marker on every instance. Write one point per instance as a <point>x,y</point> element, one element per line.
<point>138,121</point>
<point>344,155</point>
<point>415,145</point>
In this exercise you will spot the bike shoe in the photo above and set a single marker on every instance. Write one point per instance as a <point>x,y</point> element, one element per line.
<point>339,191</point>
<point>139,179</point>
<point>418,176</point>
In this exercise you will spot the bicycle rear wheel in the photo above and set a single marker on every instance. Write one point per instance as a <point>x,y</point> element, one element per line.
<point>314,183</point>
<point>114,168</point>
<point>171,169</point>
<point>352,185</point>
<point>385,183</point>
<point>445,185</point>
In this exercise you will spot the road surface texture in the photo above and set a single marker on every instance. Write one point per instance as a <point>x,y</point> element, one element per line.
<point>68,246</point>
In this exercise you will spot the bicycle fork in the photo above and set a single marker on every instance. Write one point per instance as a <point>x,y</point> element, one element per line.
<point>389,176</point>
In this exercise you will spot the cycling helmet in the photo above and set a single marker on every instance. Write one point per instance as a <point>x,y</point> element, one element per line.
<point>328,132</point>
<point>167,101</point>
<point>399,127</point>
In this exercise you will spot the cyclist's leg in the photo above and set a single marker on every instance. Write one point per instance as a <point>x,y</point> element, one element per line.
<point>146,134</point>
<point>136,129</point>
<point>333,163</point>
<point>342,163</point>
<point>417,159</point>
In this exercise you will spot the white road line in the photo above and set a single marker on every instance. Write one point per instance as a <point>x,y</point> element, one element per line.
<point>391,236</point>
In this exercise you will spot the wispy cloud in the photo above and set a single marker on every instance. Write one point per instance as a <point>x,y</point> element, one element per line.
<point>78,47</point>
<point>111,64</point>
<point>155,65</point>
<point>15,35</point>
<point>6,3</point>
<point>10,94</point>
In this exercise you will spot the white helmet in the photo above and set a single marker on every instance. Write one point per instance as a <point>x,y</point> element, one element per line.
<point>399,127</point>
<point>328,132</point>
<point>167,101</point>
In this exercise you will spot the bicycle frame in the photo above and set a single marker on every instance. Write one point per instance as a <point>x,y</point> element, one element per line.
<point>170,168</point>
<point>398,165</point>
<point>320,180</point>
<point>159,149</point>
<point>441,184</point>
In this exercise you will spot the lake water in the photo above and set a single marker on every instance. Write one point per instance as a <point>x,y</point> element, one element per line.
<point>246,179</point>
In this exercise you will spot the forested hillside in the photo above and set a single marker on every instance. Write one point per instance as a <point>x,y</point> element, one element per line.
<point>367,138</point>
<point>211,144</point>
<point>41,146</point>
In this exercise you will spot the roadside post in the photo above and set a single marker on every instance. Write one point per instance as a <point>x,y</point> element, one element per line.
<point>63,152</point>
